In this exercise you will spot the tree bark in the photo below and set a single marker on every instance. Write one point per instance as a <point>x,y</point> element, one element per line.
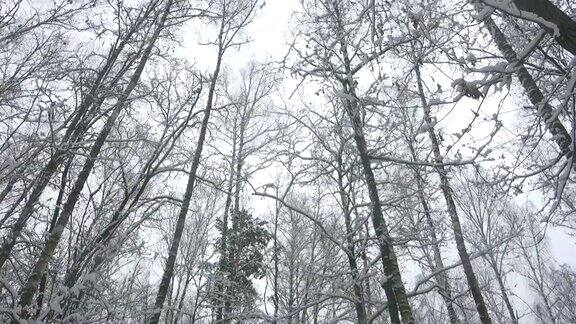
<point>31,285</point>
<point>232,248</point>
<point>437,264</point>
<point>548,11</point>
<point>57,208</point>
<point>392,284</point>
<point>72,135</point>
<point>8,188</point>
<point>447,193</point>
<point>350,246</point>
<point>559,133</point>
<point>502,286</point>
<point>173,251</point>
<point>223,262</point>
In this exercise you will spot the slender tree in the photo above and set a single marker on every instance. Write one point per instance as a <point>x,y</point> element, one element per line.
<point>232,18</point>
<point>451,205</point>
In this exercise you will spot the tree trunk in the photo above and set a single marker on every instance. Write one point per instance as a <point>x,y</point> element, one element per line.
<point>535,95</point>
<point>502,286</point>
<point>31,285</point>
<point>232,248</point>
<point>64,179</point>
<point>456,227</point>
<point>72,135</point>
<point>351,250</point>
<point>437,264</point>
<point>14,206</point>
<point>392,284</point>
<point>546,10</point>
<point>275,247</point>
<point>183,295</point>
<point>173,251</point>
<point>222,264</point>
<point>8,188</point>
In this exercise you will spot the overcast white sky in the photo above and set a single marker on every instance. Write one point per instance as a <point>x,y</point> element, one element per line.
<point>270,34</point>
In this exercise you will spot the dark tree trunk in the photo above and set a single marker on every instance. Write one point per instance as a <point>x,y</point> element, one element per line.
<point>393,286</point>
<point>350,246</point>
<point>456,227</point>
<point>64,179</point>
<point>173,251</point>
<point>535,95</point>
<point>72,135</point>
<point>548,11</point>
<point>223,262</point>
<point>437,263</point>
<point>31,285</point>
<point>8,188</point>
<point>232,248</point>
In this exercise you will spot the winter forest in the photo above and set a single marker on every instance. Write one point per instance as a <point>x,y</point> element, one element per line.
<point>288,161</point>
